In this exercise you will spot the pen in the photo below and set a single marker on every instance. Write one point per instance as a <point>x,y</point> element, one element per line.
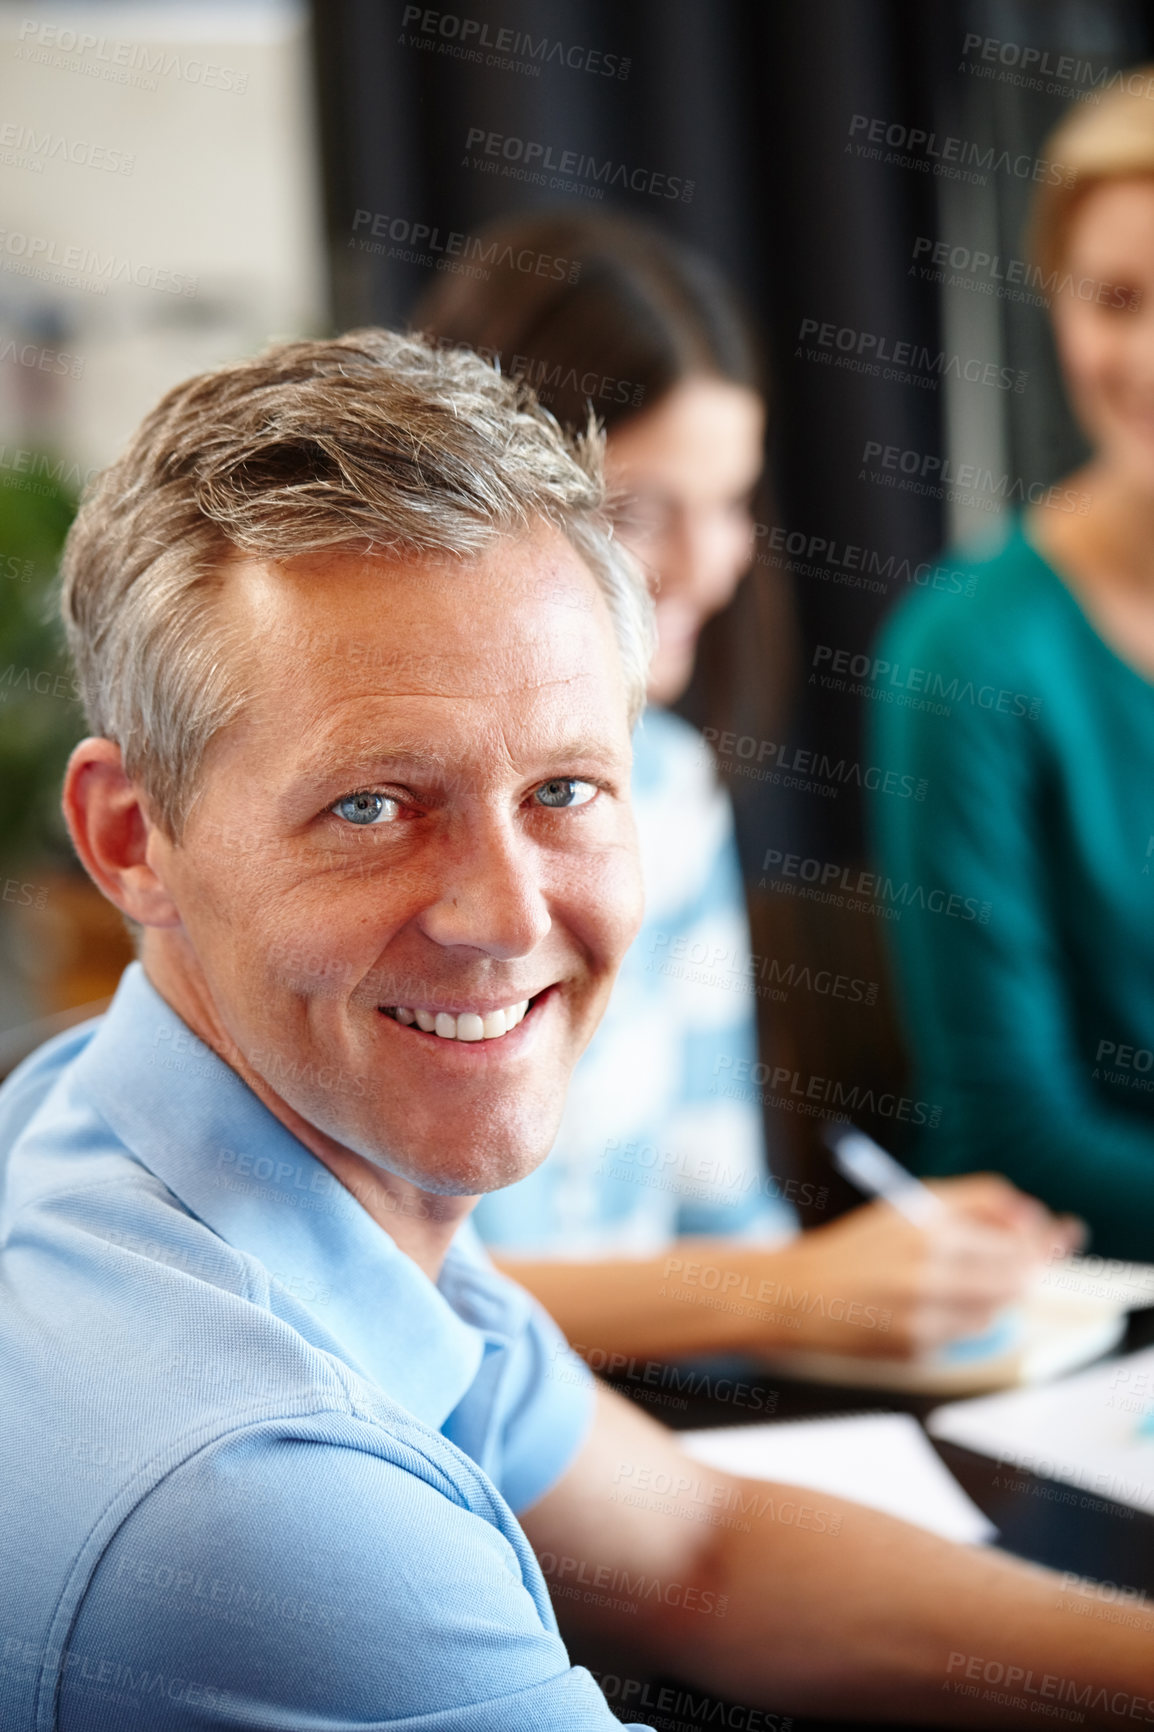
<point>868,1166</point>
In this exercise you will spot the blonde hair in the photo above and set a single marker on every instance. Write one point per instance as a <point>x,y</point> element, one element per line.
<point>1101,138</point>
<point>371,441</point>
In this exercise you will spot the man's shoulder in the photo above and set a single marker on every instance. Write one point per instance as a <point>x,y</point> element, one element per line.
<point>320,1566</point>
<point>135,1328</point>
<point>278,1578</point>
<point>154,1371</point>
<point>243,1509</point>
<point>25,1088</point>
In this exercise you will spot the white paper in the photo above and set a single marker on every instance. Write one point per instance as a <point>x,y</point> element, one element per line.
<point>1127,1285</point>
<point>1084,1431</point>
<point>883,1460</point>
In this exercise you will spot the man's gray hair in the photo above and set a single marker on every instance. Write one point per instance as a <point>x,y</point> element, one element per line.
<point>370,442</point>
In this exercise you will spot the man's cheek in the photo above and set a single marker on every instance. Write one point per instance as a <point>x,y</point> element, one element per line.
<point>605,907</point>
<point>242,898</point>
<point>318,937</point>
<point>622,901</point>
<point>300,967</point>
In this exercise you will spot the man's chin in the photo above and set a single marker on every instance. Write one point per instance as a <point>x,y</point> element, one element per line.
<point>467,1167</point>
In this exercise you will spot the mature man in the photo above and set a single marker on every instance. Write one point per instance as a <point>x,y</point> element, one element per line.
<point>361,662</point>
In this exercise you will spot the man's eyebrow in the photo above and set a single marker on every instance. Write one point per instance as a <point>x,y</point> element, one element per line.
<point>373,758</point>
<point>370,757</point>
<point>583,746</point>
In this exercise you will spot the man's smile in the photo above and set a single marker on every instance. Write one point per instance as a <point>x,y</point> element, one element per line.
<point>480,1021</point>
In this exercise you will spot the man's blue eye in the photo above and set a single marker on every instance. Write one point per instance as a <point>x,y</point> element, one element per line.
<point>565,791</point>
<point>365,808</point>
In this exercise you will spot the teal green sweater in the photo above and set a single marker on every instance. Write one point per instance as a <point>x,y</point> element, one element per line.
<point>1027,988</point>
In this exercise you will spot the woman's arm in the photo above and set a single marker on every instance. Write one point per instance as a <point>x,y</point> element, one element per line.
<point>869,1283</point>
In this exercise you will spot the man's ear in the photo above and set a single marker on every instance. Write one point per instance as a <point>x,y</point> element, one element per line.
<point>110,829</point>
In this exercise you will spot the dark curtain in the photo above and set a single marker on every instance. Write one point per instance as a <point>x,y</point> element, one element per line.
<point>752,103</point>
<point>810,133</point>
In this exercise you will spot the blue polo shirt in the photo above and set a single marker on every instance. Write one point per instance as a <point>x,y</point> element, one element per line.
<point>256,1470</point>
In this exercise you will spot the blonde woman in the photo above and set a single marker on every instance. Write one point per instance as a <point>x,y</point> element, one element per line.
<point>1035,1023</point>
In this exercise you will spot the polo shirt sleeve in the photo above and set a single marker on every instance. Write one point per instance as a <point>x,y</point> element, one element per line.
<point>282,1580</point>
<point>548,1410</point>
<point>526,1417</point>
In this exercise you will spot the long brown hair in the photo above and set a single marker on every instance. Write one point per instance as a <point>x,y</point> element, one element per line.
<point>575,298</point>
<point>600,312</point>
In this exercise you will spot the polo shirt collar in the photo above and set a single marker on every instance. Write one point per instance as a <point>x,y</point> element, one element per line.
<point>191,1120</point>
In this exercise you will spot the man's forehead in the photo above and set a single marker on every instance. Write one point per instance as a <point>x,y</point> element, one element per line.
<point>368,657</point>
<point>408,671</point>
<point>422,624</point>
<point>416,736</point>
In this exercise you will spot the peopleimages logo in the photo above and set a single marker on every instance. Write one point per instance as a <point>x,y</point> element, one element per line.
<point>937,477</point>
<point>702,1177</point>
<point>139,64</point>
<point>668,1699</point>
<point>903,362</point>
<point>838,561</point>
<point>808,769</point>
<point>508,49</point>
<point>827,881</point>
<point>947,156</point>
<point>41,360</point>
<point>38,682</point>
<point>1033,68</point>
<point>990,270</point>
<point>781,1083</point>
<point>876,677</point>
<point>84,267</point>
<point>567,1575</point>
<point>37,472</point>
<point>22,146</point>
<point>1021,1683</point>
<point>427,244</point>
<point>531,160</point>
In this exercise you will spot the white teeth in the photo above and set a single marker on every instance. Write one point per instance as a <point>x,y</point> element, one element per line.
<point>468,1025</point>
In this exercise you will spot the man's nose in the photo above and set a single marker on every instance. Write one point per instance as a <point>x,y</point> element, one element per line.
<point>489,896</point>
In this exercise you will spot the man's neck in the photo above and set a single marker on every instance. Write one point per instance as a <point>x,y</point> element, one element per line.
<point>421,1223</point>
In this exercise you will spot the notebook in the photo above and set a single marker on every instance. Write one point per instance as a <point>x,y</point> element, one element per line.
<point>1090,1432</point>
<point>1075,1312</point>
<point>883,1460</point>
<point>1129,1285</point>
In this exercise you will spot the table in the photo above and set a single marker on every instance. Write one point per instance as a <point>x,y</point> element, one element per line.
<point>1037,1519</point>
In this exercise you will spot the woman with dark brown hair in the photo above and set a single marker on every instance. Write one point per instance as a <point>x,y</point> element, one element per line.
<point>662,1146</point>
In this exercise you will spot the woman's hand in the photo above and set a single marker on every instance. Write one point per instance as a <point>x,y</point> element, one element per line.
<point>872,1283</point>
